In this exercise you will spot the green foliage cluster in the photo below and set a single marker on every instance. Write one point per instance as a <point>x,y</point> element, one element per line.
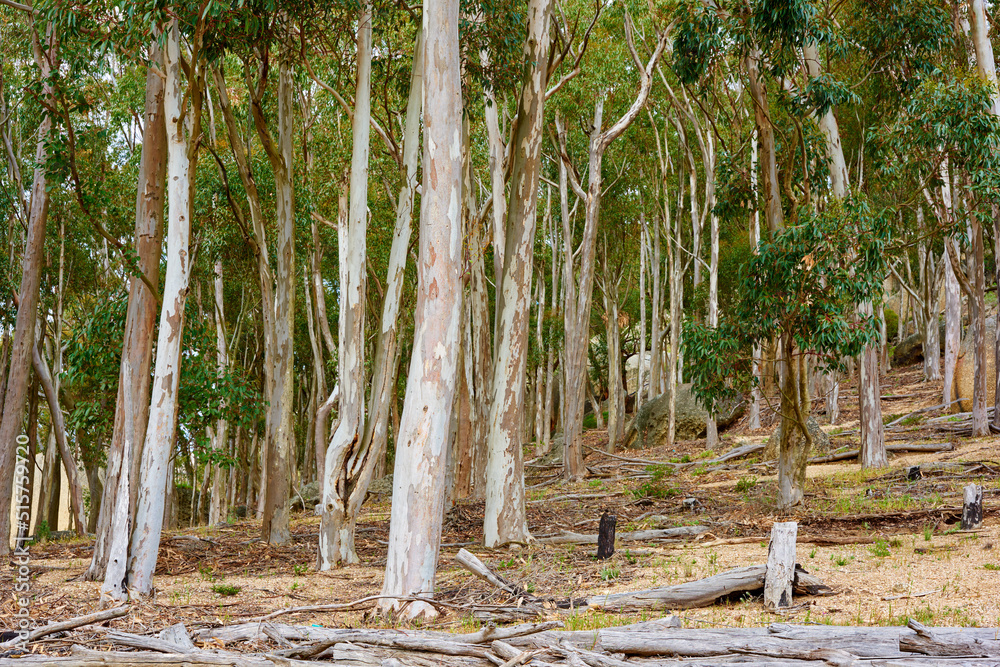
<point>806,282</point>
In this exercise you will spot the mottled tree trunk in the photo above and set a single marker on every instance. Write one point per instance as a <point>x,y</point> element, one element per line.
<point>986,66</point>
<point>140,321</point>
<point>711,427</point>
<point>337,528</point>
<point>422,440</point>
<point>275,526</point>
<point>795,443</point>
<point>580,294</point>
<point>12,415</point>
<point>216,508</point>
<point>350,463</point>
<point>156,456</point>
<point>505,519</point>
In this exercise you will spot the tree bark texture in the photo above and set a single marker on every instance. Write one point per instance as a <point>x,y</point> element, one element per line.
<point>156,456</point>
<point>505,518</point>
<point>275,527</point>
<point>580,294</point>
<point>422,442</point>
<point>11,418</point>
<point>140,322</point>
<point>350,463</point>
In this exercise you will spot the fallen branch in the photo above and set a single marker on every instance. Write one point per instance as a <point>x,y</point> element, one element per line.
<point>62,626</point>
<point>905,447</point>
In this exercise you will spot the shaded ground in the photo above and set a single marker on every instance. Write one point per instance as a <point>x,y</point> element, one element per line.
<point>910,549</point>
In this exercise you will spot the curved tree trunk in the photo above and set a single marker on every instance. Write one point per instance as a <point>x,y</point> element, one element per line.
<point>12,415</point>
<point>350,465</point>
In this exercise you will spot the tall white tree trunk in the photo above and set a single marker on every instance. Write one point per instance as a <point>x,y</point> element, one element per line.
<point>643,251</point>
<point>755,399</point>
<point>952,299</point>
<point>140,319</point>
<point>422,440</point>
<point>337,528</point>
<point>711,427</point>
<point>505,519</point>
<point>350,463</point>
<point>986,65</point>
<point>656,342</point>
<point>539,367</point>
<point>156,459</point>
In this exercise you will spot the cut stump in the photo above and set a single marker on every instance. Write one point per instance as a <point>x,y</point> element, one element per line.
<point>780,566</point>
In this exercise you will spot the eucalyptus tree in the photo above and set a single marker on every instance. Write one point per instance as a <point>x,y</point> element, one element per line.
<point>45,47</point>
<point>772,39</point>
<point>422,439</point>
<point>505,518</point>
<point>578,291</point>
<point>182,115</point>
<point>132,403</point>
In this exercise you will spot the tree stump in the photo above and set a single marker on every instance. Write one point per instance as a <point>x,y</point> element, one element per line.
<point>972,508</point>
<point>780,566</point>
<point>606,536</point>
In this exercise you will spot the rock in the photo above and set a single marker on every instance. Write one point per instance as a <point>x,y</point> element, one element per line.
<point>381,486</point>
<point>891,322</point>
<point>632,372</point>
<point>965,369</point>
<point>310,493</point>
<point>821,441</point>
<point>649,428</point>
<point>555,453</point>
<point>909,351</point>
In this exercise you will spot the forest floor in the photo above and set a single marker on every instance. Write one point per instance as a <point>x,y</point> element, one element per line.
<point>907,559</point>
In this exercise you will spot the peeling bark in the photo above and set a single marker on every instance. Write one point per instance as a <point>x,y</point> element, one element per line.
<point>140,321</point>
<point>505,519</point>
<point>422,440</point>
<point>15,395</point>
<point>156,460</point>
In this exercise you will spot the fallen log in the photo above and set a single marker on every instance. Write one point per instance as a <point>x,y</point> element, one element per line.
<point>659,643</point>
<point>471,563</point>
<point>70,624</point>
<point>700,593</point>
<point>904,447</point>
<point>704,592</point>
<point>569,537</point>
<point>929,643</point>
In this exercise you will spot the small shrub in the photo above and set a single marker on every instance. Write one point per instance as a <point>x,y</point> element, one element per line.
<point>746,484</point>
<point>610,573</point>
<point>226,589</point>
<point>880,549</point>
<point>992,566</point>
<point>42,532</point>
